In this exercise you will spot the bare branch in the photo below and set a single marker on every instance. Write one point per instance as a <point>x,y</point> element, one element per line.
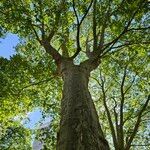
<point>116,119</point>
<point>64,47</point>
<point>78,32</point>
<point>115,113</point>
<point>51,34</point>
<point>49,49</point>
<point>87,47</point>
<point>42,20</point>
<point>30,85</point>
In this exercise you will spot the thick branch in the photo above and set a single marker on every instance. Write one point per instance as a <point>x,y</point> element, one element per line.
<point>49,49</point>
<point>52,51</point>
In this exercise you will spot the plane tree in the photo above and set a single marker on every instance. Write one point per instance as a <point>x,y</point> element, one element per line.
<point>78,36</point>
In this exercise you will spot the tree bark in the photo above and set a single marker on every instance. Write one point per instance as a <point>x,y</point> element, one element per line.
<point>79,125</point>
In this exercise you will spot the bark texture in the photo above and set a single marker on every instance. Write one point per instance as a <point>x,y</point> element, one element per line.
<point>79,126</point>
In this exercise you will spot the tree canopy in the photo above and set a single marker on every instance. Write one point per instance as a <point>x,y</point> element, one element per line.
<point>114,33</point>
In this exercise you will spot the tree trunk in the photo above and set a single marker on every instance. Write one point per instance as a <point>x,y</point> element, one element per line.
<point>79,125</point>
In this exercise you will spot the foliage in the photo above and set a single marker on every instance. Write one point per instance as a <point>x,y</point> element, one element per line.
<point>24,87</point>
<point>115,33</point>
<point>122,84</point>
<point>15,137</point>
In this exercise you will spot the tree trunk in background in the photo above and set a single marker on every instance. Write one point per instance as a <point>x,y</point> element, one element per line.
<point>79,126</point>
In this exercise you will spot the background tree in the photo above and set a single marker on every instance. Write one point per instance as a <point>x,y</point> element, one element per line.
<point>125,98</point>
<point>78,35</point>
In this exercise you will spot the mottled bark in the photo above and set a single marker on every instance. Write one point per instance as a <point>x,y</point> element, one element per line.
<point>79,126</point>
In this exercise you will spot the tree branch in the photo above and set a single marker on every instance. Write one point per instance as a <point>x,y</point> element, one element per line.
<point>135,129</point>
<point>42,20</point>
<point>129,44</point>
<point>52,51</point>
<point>136,29</point>
<point>108,113</point>
<point>36,34</point>
<point>119,6</point>
<point>52,32</point>
<point>130,85</point>
<point>128,117</point>
<point>116,120</point>
<point>78,27</point>
<point>36,83</point>
<point>125,30</point>
<point>57,20</point>
<point>104,25</point>
<point>140,145</point>
<point>32,84</point>
<point>94,26</point>
<point>49,49</point>
<point>121,138</point>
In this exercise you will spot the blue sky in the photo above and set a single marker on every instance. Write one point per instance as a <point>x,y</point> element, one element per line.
<point>7,45</point>
<point>7,49</point>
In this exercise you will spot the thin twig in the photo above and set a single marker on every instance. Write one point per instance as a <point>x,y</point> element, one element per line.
<point>36,83</point>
